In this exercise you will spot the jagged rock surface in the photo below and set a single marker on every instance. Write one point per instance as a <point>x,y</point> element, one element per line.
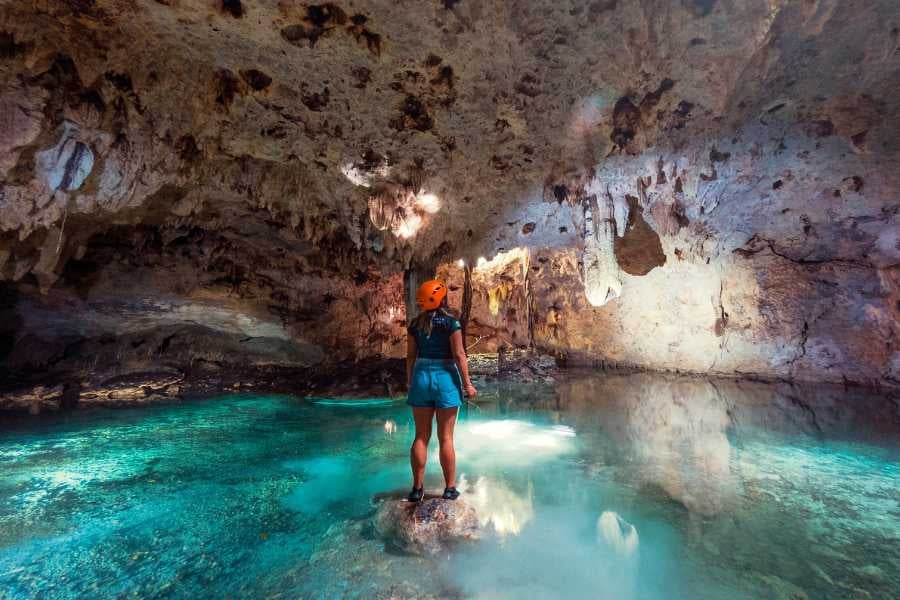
<point>244,183</point>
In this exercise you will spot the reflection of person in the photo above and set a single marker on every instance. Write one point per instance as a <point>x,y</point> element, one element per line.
<point>437,372</point>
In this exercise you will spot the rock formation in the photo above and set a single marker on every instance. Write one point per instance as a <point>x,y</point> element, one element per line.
<point>428,527</point>
<point>688,185</point>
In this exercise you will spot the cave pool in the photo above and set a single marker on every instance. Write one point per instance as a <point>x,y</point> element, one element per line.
<point>599,486</point>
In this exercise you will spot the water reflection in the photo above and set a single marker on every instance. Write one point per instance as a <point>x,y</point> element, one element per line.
<point>680,434</point>
<point>669,433</point>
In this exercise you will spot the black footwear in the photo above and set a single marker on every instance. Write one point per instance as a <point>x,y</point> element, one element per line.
<point>416,495</point>
<point>451,493</point>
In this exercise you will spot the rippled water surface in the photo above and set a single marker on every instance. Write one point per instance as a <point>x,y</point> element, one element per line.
<point>622,486</point>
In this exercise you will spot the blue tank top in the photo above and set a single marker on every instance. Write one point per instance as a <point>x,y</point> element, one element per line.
<point>437,345</point>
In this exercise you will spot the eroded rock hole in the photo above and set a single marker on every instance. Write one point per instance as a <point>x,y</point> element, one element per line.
<point>9,48</point>
<point>234,8</point>
<point>700,8</point>
<point>716,156</point>
<point>414,115</point>
<point>316,101</point>
<point>626,118</point>
<point>256,79</point>
<point>226,86</point>
<point>321,15</point>
<point>561,193</point>
<point>853,183</point>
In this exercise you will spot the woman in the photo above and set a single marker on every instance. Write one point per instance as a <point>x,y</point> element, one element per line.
<point>435,358</point>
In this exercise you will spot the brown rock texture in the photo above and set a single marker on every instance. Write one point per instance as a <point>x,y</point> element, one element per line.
<point>698,186</point>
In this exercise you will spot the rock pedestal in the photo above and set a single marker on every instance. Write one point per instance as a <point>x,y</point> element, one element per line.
<point>426,528</point>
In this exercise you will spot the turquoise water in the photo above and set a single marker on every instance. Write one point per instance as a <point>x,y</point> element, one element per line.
<point>622,486</point>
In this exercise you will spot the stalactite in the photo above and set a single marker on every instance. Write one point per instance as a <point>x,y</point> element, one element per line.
<point>529,304</point>
<point>601,271</point>
<point>381,211</point>
<point>497,295</point>
<point>466,300</point>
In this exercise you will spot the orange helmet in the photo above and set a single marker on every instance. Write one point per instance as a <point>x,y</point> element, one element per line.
<point>431,294</point>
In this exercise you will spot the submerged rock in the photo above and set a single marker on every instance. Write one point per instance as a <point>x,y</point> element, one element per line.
<point>617,533</point>
<point>428,527</point>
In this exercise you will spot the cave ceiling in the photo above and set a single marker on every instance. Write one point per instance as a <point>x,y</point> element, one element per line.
<point>405,128</point>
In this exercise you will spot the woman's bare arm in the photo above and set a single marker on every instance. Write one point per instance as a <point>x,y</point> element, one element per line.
<point>411,351</point>
<point>459,355</point>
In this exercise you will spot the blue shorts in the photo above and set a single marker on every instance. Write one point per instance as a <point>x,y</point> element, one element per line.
<point>435,384</point>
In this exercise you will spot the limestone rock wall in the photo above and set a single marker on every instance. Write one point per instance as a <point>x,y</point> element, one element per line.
<point>706,186</point>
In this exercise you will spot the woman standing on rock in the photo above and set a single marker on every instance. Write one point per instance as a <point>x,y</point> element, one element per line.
<point>435,358</point>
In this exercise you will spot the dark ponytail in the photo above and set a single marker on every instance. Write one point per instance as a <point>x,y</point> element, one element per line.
<point>424,321</point>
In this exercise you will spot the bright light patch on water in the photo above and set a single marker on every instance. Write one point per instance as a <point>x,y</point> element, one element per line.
<point>511,442</point>
<point>499,508</point>
<point>354,402</point>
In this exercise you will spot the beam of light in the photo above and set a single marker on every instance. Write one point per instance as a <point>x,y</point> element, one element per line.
<point>428,203</point>
<point>409,226</point>
<point>502,259</point>
<point>460,263</point>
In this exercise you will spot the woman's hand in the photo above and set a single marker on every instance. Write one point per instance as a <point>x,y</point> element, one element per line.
<point>471,392</point>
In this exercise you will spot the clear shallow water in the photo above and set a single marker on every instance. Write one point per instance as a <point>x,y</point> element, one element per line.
<point>623,486</point>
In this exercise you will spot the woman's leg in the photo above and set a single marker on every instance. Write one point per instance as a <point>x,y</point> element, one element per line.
<point>446,421</point>
<point>418,454</point>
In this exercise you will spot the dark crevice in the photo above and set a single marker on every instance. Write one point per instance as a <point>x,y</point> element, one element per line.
<point>234,8</point>
<point>758,244</point>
